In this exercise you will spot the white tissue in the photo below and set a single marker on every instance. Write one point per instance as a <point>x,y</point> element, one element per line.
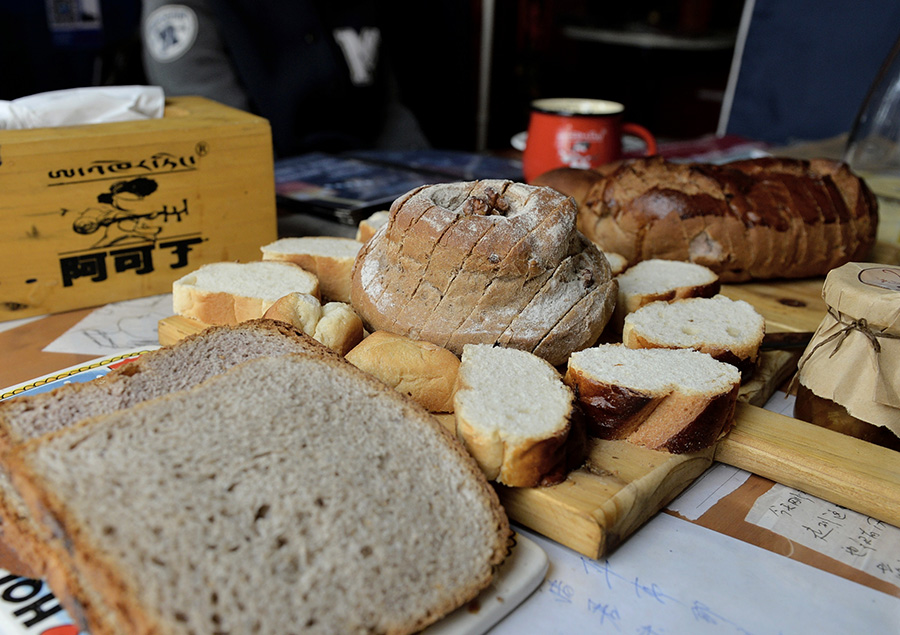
<point>77,106</point>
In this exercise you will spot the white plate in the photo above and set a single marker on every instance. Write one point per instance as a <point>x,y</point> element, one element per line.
<point>521,573</point>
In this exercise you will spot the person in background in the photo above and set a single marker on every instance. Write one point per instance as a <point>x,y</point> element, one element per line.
<point>315,69</point>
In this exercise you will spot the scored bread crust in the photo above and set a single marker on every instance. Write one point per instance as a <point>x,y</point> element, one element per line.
<point>77,549</point>
<point>751,219</point>
<point>465,263</point>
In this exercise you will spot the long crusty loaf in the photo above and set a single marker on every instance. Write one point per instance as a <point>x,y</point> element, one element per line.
<point>287,494</point>
<point>751,219</point>
<point>185,364</point>
<point>676,400</point>
<point>485,262</point>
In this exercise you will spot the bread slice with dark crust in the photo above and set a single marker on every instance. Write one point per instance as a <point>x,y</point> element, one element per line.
<point>200,511</point>
<point>672,400</point>
<point>731,331</point>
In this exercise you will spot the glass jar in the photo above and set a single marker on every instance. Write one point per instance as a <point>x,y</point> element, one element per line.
<point>849,374</point>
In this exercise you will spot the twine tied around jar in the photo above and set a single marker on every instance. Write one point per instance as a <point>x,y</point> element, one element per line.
<point>861,325</point>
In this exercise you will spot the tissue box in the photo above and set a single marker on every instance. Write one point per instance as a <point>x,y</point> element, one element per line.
<point>105,212</point>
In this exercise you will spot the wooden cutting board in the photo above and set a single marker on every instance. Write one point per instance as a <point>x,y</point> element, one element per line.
<point>622,486</point>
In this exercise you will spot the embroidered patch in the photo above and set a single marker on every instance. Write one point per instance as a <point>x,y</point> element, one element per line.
<point>170,31</point>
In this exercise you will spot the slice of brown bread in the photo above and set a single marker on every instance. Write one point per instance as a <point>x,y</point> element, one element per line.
<point>185,364</point>
<point>677,400</point>
<point>287,494</point>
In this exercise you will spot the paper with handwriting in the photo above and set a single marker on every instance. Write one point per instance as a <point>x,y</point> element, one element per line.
<point>676,577</point>
<point>860,541</point>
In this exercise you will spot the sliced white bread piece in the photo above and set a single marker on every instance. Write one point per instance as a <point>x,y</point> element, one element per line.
<point>514,414</point>
<point>368,226</point>
<point>677,400</point>
<point>731,331</point>
<point>297,482</point>
<point>232,292</point>
<point>334,324</point>
<point>424,371</point>
<point>331,258</point>
<point>662,280</point>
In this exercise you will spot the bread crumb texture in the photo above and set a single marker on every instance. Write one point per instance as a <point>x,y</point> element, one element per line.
<point>512,394</point>
<point>696,322</point>
<point>288,494</point>
<point>655,371</point>
<point>267,280</point>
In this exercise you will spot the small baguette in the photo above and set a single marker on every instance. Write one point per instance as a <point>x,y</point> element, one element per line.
<point>422,370</point>
<point>334,324</point>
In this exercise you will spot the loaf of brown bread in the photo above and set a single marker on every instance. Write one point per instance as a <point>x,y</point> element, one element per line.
<point>485,262</point>
<point>751,219</point>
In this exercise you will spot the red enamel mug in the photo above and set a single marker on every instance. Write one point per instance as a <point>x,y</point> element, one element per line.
<point>577,133</point>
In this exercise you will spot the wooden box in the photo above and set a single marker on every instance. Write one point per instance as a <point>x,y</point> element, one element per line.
<point>98,213</point>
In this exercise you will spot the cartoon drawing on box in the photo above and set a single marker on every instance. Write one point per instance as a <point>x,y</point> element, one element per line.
<point>126,216</point>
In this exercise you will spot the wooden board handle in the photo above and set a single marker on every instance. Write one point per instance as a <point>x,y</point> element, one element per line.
<point>838,468</point>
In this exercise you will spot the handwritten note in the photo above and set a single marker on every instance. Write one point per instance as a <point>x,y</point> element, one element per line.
<point>855,539</point>
<point>676,577</point>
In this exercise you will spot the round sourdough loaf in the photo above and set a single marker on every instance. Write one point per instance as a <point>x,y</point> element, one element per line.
<point>485,262</point>
<point>752,219</point>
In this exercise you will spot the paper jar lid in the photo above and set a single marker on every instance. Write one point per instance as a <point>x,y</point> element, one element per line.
<point>866,290</point>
